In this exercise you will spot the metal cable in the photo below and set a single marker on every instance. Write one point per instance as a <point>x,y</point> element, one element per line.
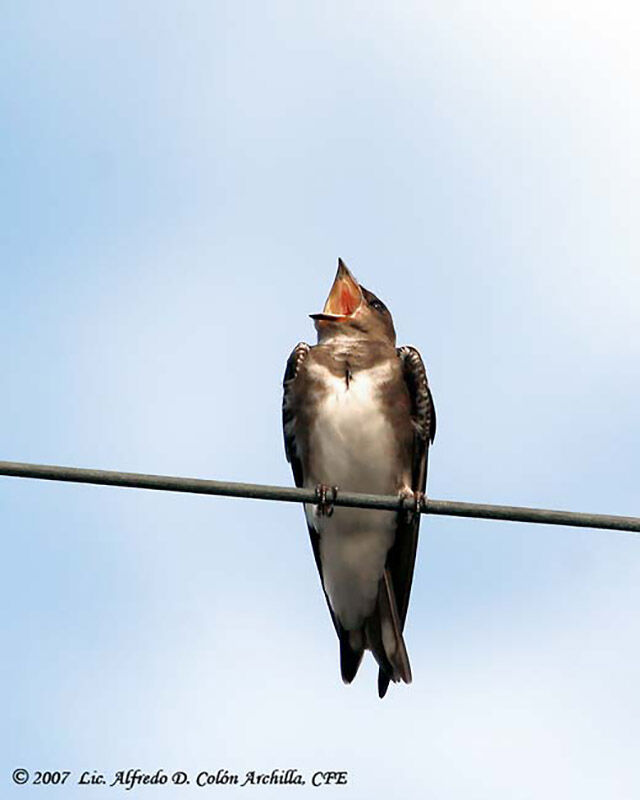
<point>255,491</point>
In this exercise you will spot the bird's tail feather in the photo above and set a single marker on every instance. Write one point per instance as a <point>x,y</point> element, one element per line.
<point>383,633</point>
<point>351,651</point>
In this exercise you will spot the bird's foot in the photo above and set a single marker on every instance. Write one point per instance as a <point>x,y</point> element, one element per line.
<point>414,502</point>
<point>324,505</point>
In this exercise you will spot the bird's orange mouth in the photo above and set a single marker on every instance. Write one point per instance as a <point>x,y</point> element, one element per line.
<point>344,298</point>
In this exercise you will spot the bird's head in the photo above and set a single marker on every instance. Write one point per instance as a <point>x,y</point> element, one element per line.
<point>353,311</point>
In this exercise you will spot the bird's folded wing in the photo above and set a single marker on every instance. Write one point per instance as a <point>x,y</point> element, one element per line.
<point>401,559</point>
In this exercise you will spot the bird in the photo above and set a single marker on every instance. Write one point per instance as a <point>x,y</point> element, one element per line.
<point>358,415</point>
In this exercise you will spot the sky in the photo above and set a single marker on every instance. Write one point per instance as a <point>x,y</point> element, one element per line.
<point>178,181</point>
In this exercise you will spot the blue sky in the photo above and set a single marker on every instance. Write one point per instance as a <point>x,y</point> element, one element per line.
<point>178,182</point>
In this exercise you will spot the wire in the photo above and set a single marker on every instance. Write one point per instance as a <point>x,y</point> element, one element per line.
<point>168,483</point>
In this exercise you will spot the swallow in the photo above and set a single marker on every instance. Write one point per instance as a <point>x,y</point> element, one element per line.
<point>358,416</point>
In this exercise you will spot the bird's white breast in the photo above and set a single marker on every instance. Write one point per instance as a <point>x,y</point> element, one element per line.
<point>352,440</point>
<point>352,446</point>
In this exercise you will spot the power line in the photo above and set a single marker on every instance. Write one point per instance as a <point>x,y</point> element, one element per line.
<point>168,483</point>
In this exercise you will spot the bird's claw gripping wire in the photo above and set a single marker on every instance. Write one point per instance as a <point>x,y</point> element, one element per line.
<point>414,502</point>
<point>324,505</point>
<point>419,502</point>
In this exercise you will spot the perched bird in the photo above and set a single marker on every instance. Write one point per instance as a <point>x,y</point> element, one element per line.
<point>358,416</point>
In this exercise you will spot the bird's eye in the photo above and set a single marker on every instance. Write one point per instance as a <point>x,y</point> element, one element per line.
<point>378,305</point>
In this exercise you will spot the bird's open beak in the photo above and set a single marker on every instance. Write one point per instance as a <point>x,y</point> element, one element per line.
<point>344,298</point>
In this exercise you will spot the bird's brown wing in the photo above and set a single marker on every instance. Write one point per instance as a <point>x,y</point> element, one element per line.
<point>294,362</point>
<point>402,555</point>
